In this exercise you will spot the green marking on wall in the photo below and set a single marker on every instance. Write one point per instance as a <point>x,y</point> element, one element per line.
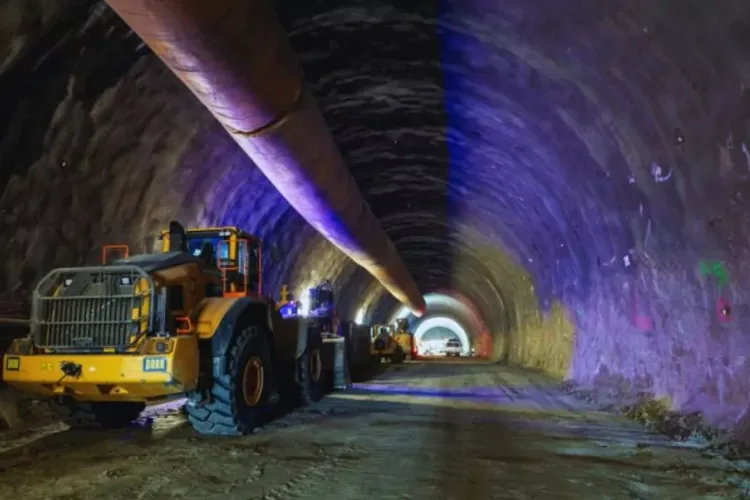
<point>715,269</point>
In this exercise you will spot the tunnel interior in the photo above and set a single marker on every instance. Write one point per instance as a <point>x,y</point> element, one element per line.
<point>575,194</point>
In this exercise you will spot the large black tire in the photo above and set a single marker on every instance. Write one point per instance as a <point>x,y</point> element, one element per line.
<point>239,398</point>
<point>310,372</point>
<point>101,415</point>
<point>398,356</point>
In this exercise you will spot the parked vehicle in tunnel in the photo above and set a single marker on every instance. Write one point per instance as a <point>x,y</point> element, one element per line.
<point>405,339</point>
<point>106,340</point>
<point>319,306</point>
<point>321,300</point>
<point>453,348</point>
<point>319,303</point>
<point>286,306</point>
<point>383,346</point>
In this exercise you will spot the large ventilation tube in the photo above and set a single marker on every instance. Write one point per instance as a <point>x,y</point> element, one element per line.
<point>235,57</point>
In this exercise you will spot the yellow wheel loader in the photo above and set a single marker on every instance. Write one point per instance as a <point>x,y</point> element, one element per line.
<point>107,340</point>
<point>383,347</point>
<point>405,339</point>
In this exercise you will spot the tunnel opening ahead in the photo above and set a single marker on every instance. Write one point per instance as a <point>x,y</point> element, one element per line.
<point>449,314</point>
<point>432,335</point>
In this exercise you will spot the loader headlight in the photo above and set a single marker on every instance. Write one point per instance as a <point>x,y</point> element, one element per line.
<point>68,282</point>
<point>20,346</point>
<point>157,346</point>
<point>126,281</point>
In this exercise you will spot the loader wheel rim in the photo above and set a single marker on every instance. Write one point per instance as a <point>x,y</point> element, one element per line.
<point>252,381</point>
<point>315,365</point>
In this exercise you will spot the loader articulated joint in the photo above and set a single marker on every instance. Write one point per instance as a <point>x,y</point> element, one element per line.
<point>71,369</point>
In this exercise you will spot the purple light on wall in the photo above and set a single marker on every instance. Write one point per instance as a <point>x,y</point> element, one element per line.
<point>641,321</point>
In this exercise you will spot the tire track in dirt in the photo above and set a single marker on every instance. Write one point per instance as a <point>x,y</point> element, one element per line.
<point>312,474</point>
<point>484,444</point>
<point>458,440</point>
<point>298,487</point>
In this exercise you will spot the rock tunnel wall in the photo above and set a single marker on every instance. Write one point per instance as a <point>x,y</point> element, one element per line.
<point>584,163</point>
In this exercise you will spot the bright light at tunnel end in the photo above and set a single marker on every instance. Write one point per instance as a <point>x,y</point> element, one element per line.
<point>448,324</point>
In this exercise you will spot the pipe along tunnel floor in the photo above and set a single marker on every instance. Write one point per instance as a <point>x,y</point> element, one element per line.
<point>438,429</point>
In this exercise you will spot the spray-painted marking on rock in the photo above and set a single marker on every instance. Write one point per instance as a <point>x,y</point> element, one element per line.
<point>716,271</point>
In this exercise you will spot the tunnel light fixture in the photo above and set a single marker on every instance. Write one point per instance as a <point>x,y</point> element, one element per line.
<point>304,303</point>
<point>360,317</point>
<point>402,313</point>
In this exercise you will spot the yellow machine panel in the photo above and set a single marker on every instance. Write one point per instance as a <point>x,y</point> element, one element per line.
<point>171,369</point>
<point>382,345</point>
<point>404,338</point>
<point>209,314</point>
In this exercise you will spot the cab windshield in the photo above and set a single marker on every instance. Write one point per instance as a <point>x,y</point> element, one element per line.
<point>196,244</point>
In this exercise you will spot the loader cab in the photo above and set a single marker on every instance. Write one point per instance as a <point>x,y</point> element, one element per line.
<point>379,331</point>
<point>235,253</point>
<point>402,325</point>
<point>321,299</point>
<point>286,306</point>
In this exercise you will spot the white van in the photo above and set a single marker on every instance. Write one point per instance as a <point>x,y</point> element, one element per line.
<point>453,348</point>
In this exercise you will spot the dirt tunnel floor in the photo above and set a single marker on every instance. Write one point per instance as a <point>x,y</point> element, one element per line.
<point>447,430</point>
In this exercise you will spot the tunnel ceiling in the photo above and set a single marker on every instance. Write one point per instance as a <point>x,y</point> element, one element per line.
<point>578,170</point>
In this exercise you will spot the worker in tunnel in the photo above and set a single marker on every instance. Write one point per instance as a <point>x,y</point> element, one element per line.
<point>566,181</point>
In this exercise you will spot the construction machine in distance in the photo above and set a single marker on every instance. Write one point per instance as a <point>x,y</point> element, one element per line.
<point>405,339</point>
<point>104,341</point>
<point>320,311</point>
<point>319,307</point>
<point>383,346</point>
<point>322,308</point>
<point>286,305</point>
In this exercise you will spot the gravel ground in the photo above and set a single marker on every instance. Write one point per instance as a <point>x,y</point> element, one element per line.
<point>439,429</point>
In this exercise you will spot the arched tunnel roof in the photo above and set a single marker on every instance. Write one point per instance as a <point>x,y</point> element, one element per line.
<point>577,170</point>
